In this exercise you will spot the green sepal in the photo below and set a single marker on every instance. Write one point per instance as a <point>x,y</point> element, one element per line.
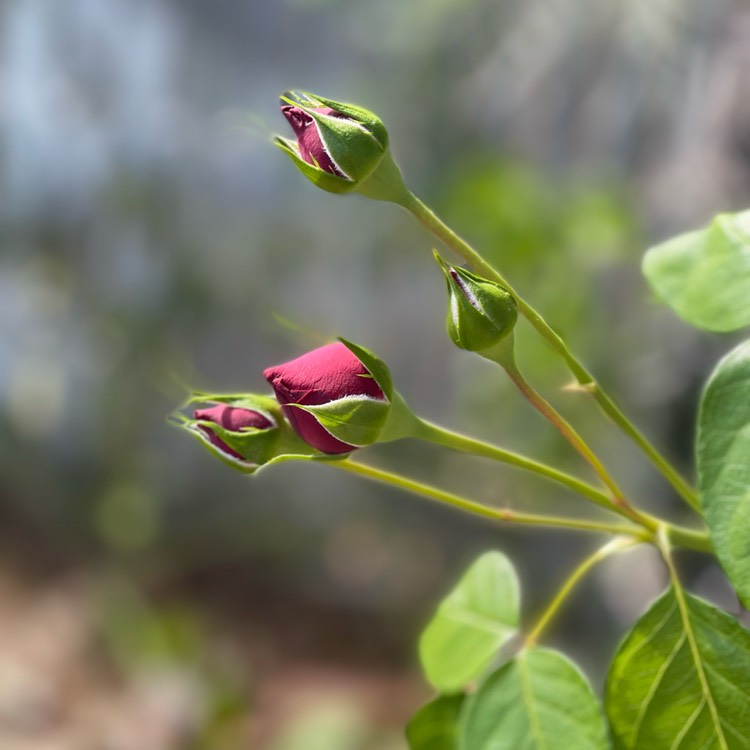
<point>266,405</point>
<point>374,365</point>
<point>354,420</point>
<point>312,456</point>
<point>481,313</point>
<point>372,123</point>
<point>355,152</point>
<point>255,445</point>
<point>325,180</point>
<point>401,421</point>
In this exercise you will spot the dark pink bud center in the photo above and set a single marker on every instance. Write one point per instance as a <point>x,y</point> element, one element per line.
<point>309,142</point>
<point>232,418</point>
<point>321,376</point>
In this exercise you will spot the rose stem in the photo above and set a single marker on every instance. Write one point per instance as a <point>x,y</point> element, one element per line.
<point>587,381</point>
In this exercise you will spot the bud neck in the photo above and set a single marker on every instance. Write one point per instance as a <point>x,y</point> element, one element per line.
<point>385,182</point>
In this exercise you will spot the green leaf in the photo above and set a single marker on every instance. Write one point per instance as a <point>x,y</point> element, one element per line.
<point>723,460</point>
<point>435,725</point>
<point>681,680</point>
<point>704,276</point>
<point>537,701</point>
<point>471,624</point>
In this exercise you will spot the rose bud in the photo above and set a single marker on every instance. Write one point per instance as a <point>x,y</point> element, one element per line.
<point>337,397</point>
<point>340,147</point>
<point>243,431</point>
<point>481,313</point>
<point>309,143</point>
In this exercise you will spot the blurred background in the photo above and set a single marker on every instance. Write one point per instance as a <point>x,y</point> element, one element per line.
<point>151,236</point>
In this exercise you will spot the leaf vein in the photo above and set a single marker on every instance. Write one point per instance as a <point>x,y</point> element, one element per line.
<point>635,731</point>
<point>688,724</point>
<point>528,699</point>
<point>697,658</point>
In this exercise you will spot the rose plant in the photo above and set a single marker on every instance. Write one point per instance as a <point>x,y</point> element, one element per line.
<point>680,679</point>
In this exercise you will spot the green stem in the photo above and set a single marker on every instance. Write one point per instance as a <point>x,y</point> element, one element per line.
<point>693,539</point>
<point>455,441</point>
<point>443,232</point>
<point>406,424</point>
<point>587,381</point>
<point>612,546</point>
<point>496,514</point>
<point>566,430</point>
<point>680,536</point>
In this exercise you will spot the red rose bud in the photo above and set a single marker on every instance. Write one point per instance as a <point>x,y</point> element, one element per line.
<point>481,313</point>
<point>243,432</point>
<point>336,400</point>
<point>309,142</point>
<point>340,147</point>
<point>231,418</point>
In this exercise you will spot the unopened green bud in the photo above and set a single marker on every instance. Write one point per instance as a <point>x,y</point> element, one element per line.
<point>481,313</point>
